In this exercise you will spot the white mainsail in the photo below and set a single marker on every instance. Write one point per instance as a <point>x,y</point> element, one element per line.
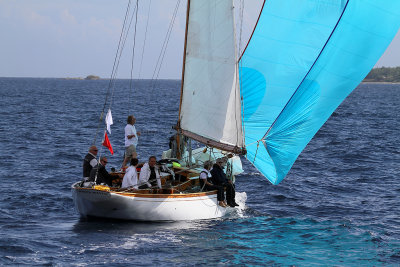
<point>211,108</point>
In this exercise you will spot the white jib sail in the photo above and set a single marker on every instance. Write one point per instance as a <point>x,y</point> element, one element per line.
<point>211,98</point>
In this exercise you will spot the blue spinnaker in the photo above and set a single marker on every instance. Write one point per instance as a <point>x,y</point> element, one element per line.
<point>304,58</point>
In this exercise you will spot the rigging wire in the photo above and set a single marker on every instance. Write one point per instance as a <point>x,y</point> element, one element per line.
<point>127,22</point>
<point>111,87</point>
<point>258,144</point>
<point>144,41</point>
<point>122,49</point>
<point>164,46</point>
<point>133,57</point>
<point>121,44</point>
<point>113,71</point>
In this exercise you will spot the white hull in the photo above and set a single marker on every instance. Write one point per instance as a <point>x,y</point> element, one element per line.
<point>146,207</point>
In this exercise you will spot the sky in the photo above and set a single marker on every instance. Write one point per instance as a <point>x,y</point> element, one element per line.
<point>76,38</point>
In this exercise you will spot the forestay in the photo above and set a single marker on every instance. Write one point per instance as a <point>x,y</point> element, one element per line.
<point>303,60</point>
<point>210,108</point>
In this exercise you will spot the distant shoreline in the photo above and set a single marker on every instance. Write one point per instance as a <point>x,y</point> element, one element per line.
<point>384,75</point>
<point>83,79</point>
<point>164,79</point>
<point>370,82</point>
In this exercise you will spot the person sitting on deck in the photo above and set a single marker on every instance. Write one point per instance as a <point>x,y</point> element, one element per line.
<point>126,160</point>
<point>131,177</point>
<point>103,177</point>
<point>219,178</point>
<point>90,161</point>
<point>149,173</point>
<point>206,185</point>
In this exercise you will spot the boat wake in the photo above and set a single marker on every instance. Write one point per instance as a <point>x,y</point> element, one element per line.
<point>239,211</point>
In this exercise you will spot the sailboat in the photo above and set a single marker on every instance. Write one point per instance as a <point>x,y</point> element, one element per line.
<point>302,60</point>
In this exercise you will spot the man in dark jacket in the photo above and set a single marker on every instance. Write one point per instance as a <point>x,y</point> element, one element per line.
<point>219,178</point>
<point>90,161</point>
<point>103,177</point>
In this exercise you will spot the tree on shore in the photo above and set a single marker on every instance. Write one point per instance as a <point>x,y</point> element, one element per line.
<point>92,77</point>
<point>383,74</point>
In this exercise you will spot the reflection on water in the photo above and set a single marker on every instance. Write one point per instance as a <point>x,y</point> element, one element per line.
<point>93,224</point>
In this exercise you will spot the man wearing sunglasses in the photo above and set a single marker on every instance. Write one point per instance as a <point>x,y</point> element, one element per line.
<point>99,174</point>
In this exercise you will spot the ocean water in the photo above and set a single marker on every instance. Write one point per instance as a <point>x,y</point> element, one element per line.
<point>339,205</point>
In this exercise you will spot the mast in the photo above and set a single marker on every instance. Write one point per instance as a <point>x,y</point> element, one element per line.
<point>178,124</point>
<point>184,62</point>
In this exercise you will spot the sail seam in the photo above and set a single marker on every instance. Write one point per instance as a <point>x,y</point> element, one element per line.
<point>273,162</point>
<point>294,93</point>
<point>305,76</point>
<point>237,81</point>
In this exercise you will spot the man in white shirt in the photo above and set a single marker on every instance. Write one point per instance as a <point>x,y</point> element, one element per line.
<point>131,140</point>
<point>149,173</point>
<point>130,177</point>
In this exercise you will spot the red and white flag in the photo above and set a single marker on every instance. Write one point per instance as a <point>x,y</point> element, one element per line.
<point>106,143</point>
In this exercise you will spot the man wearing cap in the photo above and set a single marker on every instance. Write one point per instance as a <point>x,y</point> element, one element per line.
<point>206,185</point>
<point>219,178</point>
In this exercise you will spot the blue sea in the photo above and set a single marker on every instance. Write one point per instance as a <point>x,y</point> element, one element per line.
<point>339,205</point>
